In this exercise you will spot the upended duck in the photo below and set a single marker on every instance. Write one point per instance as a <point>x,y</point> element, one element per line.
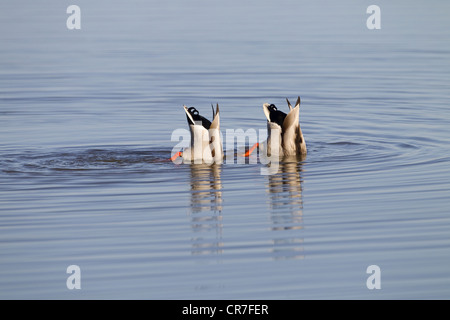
<point>283,130</point>
<point>206,142</point>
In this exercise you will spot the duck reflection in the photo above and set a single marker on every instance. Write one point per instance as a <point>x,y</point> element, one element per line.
<point>285,200</point>
<point>206,208</point>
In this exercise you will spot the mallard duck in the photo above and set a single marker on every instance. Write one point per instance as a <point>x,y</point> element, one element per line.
<point>206,143</point>
<point>285,129</point>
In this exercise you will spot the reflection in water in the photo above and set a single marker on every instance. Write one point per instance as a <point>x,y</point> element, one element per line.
<point>285,198</point>
<point>206,208</point>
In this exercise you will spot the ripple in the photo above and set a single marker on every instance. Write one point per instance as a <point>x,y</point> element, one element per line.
<point>82,160</point>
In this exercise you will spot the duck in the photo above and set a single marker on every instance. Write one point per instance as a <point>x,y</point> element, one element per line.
<point>285,128</point>
<point>206,142</point>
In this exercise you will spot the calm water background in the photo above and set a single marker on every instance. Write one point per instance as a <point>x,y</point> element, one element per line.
<point>86,118</point>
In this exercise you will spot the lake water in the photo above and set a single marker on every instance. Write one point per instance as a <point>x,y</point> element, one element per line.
<point>86,118</point>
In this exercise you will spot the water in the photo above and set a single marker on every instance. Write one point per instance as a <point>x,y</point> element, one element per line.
<point>86,118</point>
